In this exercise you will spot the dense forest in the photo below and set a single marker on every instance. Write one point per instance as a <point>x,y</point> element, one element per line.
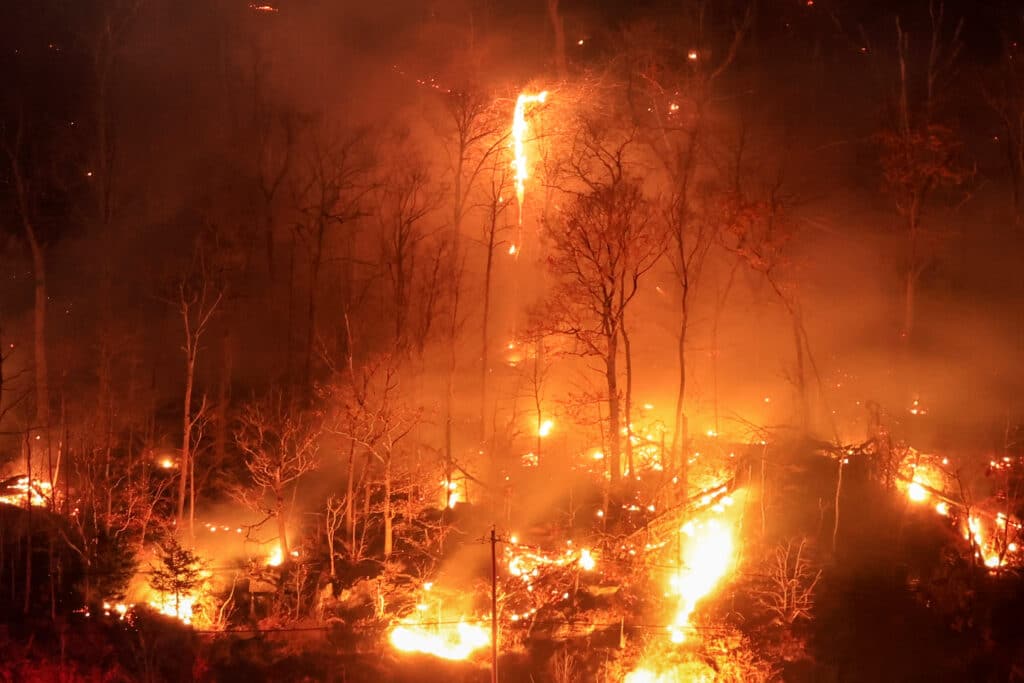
<point>552,341</point>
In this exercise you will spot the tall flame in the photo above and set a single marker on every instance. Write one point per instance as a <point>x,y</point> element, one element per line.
<point>519,130</point>
<point>708,547</point>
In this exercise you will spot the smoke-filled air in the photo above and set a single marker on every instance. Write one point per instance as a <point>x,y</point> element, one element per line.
<point>556,341</point>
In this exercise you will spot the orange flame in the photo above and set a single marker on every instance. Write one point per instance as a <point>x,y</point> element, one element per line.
<point>519,130</point>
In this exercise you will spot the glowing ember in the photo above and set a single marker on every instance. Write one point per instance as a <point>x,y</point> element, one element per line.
<point>519,130</point>
<point>276,557</point>
<point>447,641</point>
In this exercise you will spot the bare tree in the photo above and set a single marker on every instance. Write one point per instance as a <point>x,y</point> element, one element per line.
<point>27,187</point>
<point>603,242</point>
<point>670,87</point>
<point>199,293</point>
<point>404,200</point>
<point>555,19</point>
<point>494,204</point>
<point>790,579</point>
<point>374,417</point>
<point>281,444</point>
<point>475,138</point>
<point>274,156</point>
<point>919,152</point>
<point>1005,96</point>
<point>328,195</point>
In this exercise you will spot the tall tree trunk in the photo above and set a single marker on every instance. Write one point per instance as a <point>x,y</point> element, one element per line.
<point>314,280</point>
<point>612,381</point>
<point>800,378</point>
<point>485,326</point>
<point>186,432</point>
<point>538,406</point>
<point>39,337</point>
<point>220,438</point>
<point>628,412</point>
<point>681,428</point>
<point>26,608</point>
<point>350,521</point>
<point>282,524</point>
<point>388,531</point>
<point>909,302</point>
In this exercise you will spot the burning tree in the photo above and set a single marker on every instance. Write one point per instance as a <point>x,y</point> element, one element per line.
<point>603,242</point>
<point>281,443</point>
<point>178,573</point>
